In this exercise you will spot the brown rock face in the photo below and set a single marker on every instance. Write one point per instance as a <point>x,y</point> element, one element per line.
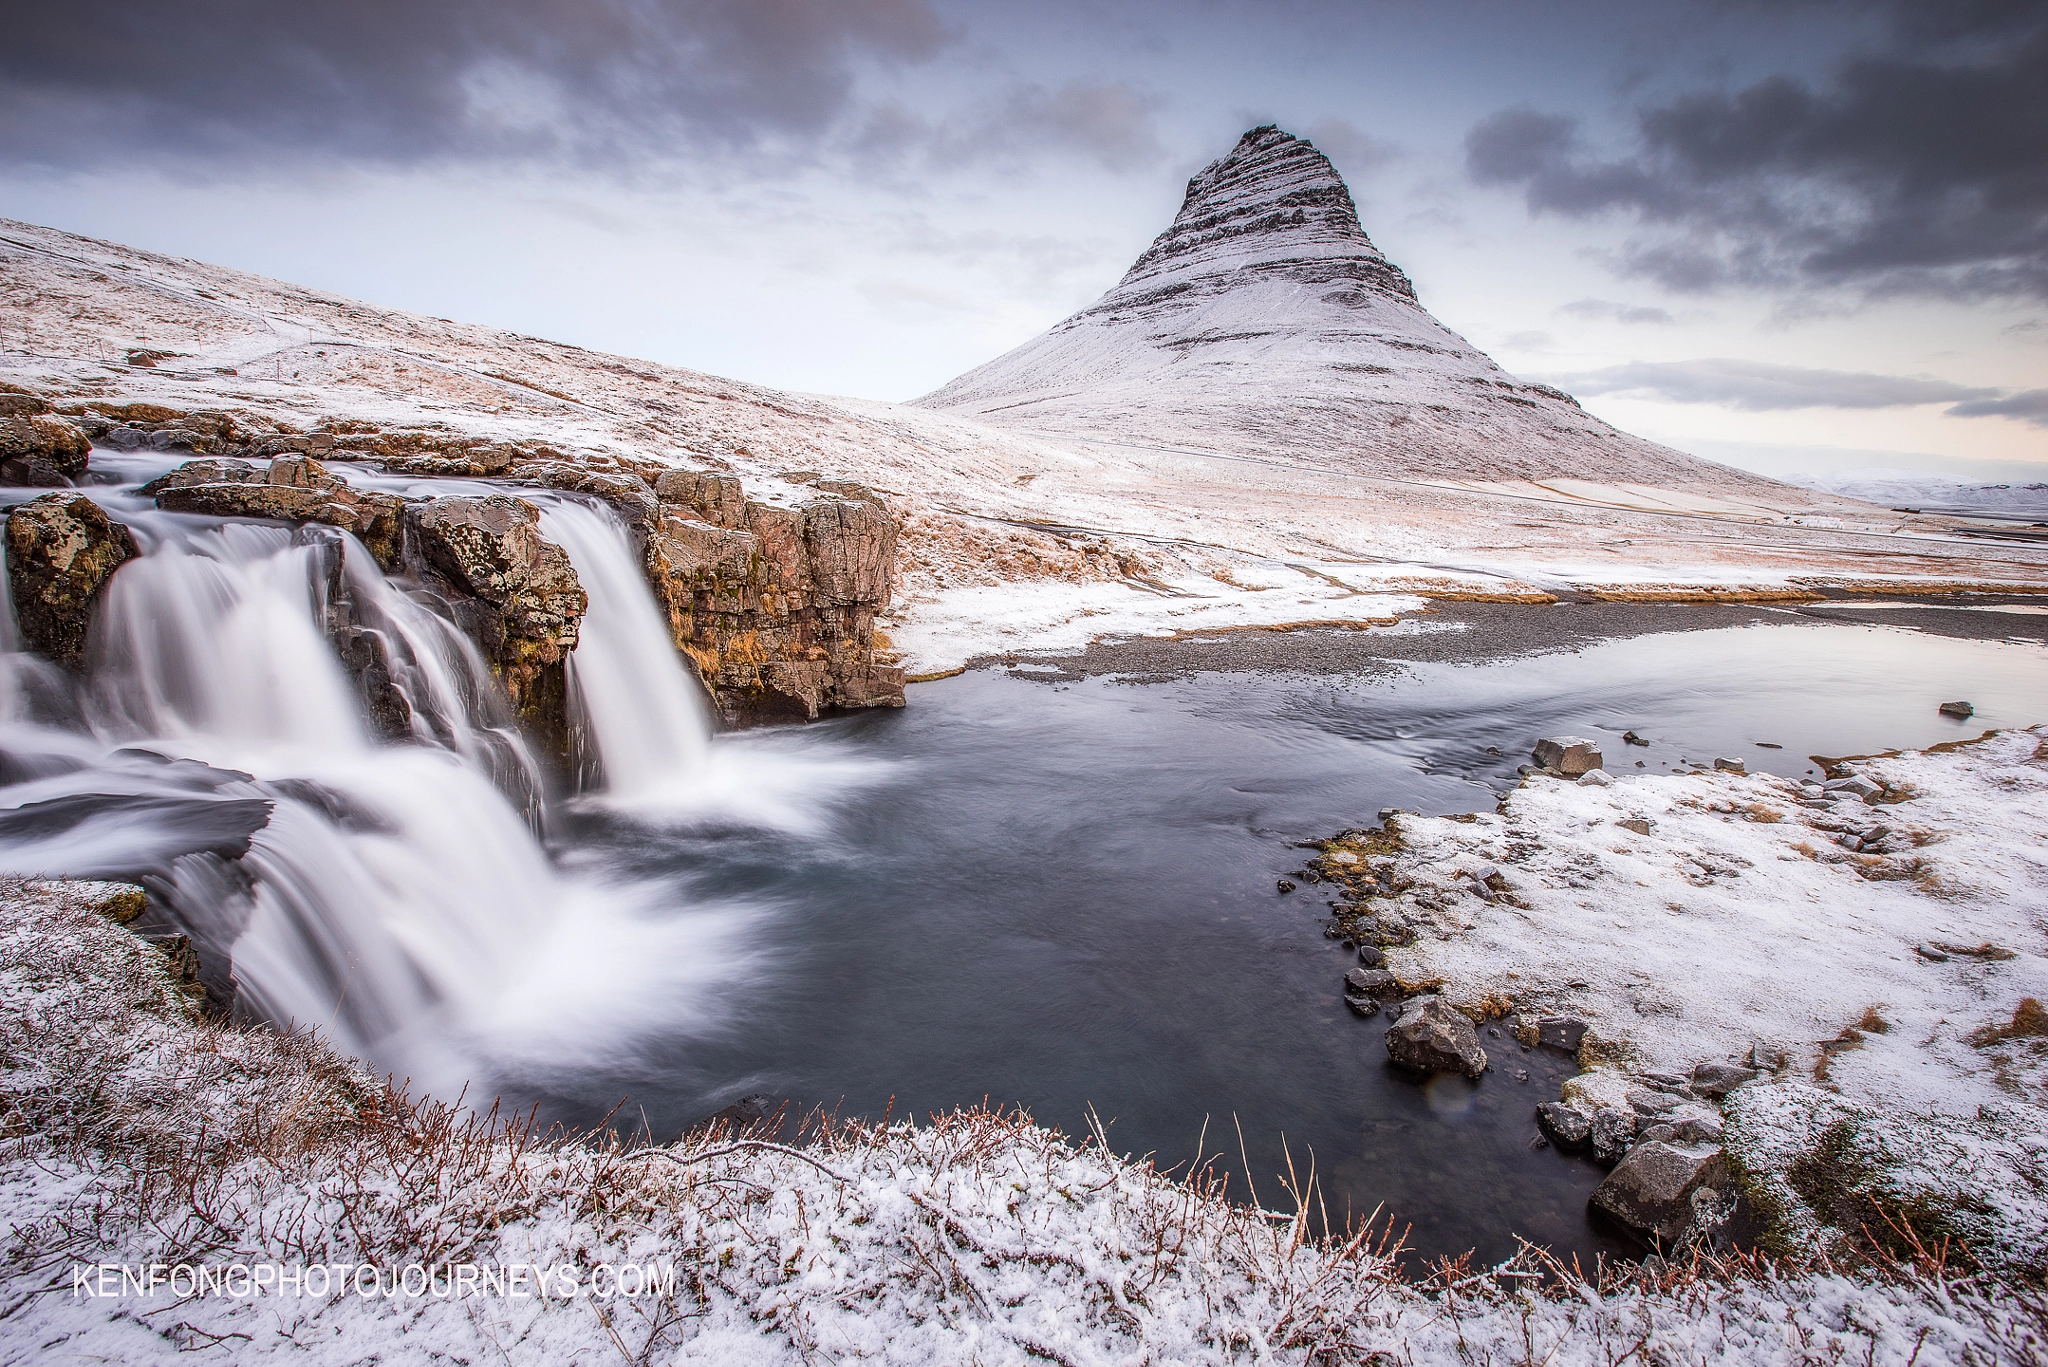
<point>776,605</point>
<point>36,449</point>
<point>61,550</point>
<point>515,595</point>
<point>294,488</point>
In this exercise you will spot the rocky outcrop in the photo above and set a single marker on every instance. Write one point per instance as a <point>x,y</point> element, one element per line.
<point>775,603</point>
<point>514,594</point>
<point>61,550</point>
<point>1656,1189</point>
<point>293,488</point>
<point>1432,1037</point>
<point>1572,756</point>
<point>37,449</point>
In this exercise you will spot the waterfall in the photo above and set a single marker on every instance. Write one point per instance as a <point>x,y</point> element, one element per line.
<point>635,700</point>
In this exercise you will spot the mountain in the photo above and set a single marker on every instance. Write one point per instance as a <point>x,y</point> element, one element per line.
<point>1264,321</point>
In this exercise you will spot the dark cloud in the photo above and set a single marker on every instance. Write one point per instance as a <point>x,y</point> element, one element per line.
<point>1759,386</point>
<point>1921,169</point>
<point>408,81</point>
<point>2029,406</point>
<point>1607,310</point>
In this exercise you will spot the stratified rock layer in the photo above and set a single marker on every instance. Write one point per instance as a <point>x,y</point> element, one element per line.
<point>775,604</point>
<point>293,488</point>
<point>1265,320</point>
<point>61,550</point>
<point>35,448</point>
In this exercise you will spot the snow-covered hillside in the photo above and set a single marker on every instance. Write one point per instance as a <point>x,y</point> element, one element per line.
<point>1264,319</point>
<point>2019,499</point>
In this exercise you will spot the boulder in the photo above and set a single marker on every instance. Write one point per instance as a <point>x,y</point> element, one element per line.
<point>1719,1079</point>
<point>1372,956</point>
<point>1731,766</point>
<point>1961,711</point>
<point>61,550</point>
<point>1567,1128</point>
<point>1651,1190</point>
<point>513,593</point>
<point>37,450</point>
<point>1431,1037</point>
<point>1613,1131</point>
<point>1856,785</point>
<point>1646,1103</point>
<point>204,472</point>
<point>1697,1129</point>
<point>1569,755</point>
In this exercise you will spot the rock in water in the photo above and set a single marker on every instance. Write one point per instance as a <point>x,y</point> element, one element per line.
<point>1651,1190</point>
<point>1567,1128</point>
<point>61,549</point>
<point>1962,711</point>
<point>1265,320</point>
<point>1431,1037</point>
<point>1571,756</point>
<point>35,448</point>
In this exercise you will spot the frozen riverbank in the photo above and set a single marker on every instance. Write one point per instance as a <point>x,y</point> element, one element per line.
<point>1874,951</point>
<point>137,1136</point>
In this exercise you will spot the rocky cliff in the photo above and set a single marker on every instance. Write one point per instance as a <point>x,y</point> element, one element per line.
<point>1264,320</point>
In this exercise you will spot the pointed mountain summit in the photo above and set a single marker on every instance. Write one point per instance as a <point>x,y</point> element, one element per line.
<point>1265,322</point>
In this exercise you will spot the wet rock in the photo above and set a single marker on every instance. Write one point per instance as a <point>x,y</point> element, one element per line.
<point>1631,738</point>
<point>1372,956</point>
<point>1641,825</point>
<point>1567,1128</point>
<point>36,449</point>
<point>1652,1189</point>
<point>1613,1131</point>
<point>1286,885</point>
<point>291,488</point>
<point>1431,1037</point>
<point>1719,1079</point>
<point>1571,756</point>
<point>1363,1006</point>
<point>1961,711</point>
<point>1371,982</point>
<point>515,594</point>
<point>1563,1033</point>
<point>745,1113</point>
<point>1731,766</point>
<point>61,550</point>
<point>627,493</point>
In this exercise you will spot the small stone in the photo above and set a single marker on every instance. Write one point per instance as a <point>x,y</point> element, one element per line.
<point>1567,1128</point>
<point>1595,778</point>
<point>1631,738</point>
<point>1371,956</point>
<point>1648,1103</point>
<point>1669,1082</point>
<point>1657,1134</point>
<point>1286,885</point>
<point>1341,857</point>
<point>1719,1079</point>
<point>1613,1131</point>
<point>1641,825</point>
<point>1432,1037</point>
<point>1857,785</point>
<point>1371,982</point>
<point>1560,1032</point>
<point>1959,710</point>
<point>1364,1006</point>
<point>1569,755</point>
<point>1651,1189</point>
<point>1697,1129</point>
<point>1732,766</point>
<point>1929,953</point>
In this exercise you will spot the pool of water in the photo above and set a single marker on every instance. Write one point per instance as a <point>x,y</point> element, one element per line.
<point>1063,896</point>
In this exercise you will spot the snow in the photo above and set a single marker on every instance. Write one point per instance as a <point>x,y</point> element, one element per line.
<point>1739,923</point>
<point>2019,499</point>
<point>1165,499</point>
<point>138,1137</point>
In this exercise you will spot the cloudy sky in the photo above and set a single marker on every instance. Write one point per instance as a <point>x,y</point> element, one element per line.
<point>1798,235</point>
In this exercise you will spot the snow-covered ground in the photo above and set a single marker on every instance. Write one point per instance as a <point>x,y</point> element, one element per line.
<point>1089,528</point>
<point>1885,962</point>
<point>2021,500</point>
<point>176,1191</point>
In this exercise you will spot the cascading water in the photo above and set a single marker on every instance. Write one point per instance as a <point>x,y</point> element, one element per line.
<point>644,716</point>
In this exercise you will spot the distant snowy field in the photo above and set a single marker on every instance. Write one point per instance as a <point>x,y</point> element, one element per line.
<point>1935,493</point>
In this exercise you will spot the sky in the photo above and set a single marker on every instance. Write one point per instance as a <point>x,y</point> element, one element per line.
<point>1794,235</point>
